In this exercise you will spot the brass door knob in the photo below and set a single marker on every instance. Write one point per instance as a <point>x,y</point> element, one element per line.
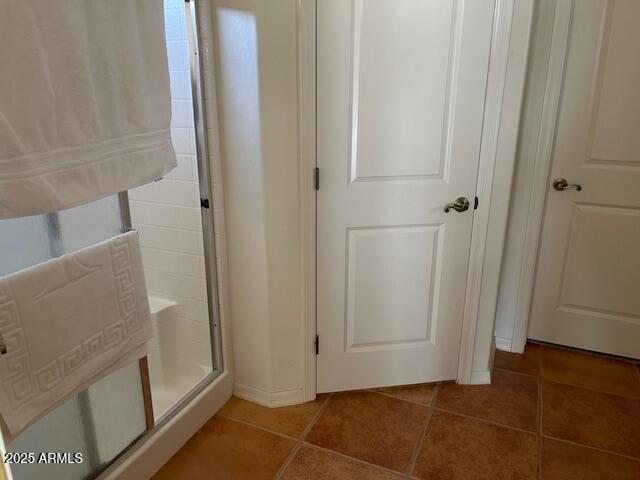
<point>460,205</point>
<point>561,184</point>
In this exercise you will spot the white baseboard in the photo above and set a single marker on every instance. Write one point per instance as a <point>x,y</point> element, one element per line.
<point>480,377</point>
<point>268,399</point>
<point>503,344</point>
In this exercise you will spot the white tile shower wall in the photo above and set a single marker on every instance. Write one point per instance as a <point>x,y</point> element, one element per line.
<point>167,212</point>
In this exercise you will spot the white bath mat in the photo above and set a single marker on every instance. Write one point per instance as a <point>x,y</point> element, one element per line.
<point>67,323</point>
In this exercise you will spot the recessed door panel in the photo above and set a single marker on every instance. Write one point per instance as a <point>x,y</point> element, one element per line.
<point>401,53</point>
<point>391,275</point>
<point>401,90</point>
<point>598,279</point>
<point>616,102</point>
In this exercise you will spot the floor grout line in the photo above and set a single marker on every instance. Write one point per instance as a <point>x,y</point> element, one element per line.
<point>305,443</point>
<point>539,430</point>
<point>484,420</point>
<point>542,379</point>
<point>414,402</point>
<point>422,435</point>
<point>301,442</point>
<point>591,389</point>
<point>597,449</point>
<point>354,459</point>
<point>303,435</point>
<point>589,353</point>
<point>517,373</point>
<point>288,460</point>
<point>316,417</point>
<point>435,394</point>
<point>419,441</point>
<point>433,408</point>
<point>248,424</point>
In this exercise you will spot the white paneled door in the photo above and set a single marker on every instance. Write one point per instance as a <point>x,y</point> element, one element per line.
<point>587,289</point>
<point>400,92</point>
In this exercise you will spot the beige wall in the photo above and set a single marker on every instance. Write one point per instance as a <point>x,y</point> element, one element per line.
<point>256,63</point>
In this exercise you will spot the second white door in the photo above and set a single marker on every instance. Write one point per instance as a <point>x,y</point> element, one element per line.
<point>587,289</point>
<point>401,92</point>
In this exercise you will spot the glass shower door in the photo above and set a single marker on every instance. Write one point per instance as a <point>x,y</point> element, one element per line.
<point>105,419</point>
<point>174,219</point>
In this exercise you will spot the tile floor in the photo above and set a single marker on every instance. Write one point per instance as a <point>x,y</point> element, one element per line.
<point>550,413</point>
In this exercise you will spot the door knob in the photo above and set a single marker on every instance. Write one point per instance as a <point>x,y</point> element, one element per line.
<point>561,184</point>
<point>460,205</point>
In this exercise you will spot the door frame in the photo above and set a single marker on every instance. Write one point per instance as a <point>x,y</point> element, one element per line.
<point>542,153</point>
<point>507,68</point>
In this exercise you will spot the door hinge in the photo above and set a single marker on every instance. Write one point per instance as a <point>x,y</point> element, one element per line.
<point>316,178</point>
<point>317,344</point>
<point>476,202</point>
<point>204,202</point>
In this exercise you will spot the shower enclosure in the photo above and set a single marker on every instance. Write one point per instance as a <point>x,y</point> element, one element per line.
<point>174,219</point>
<point>175,224</point>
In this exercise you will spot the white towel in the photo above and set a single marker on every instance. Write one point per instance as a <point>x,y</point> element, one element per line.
<point>85,105</point>
<point>68,322</point>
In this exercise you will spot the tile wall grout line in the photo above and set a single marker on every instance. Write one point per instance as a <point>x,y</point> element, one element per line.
<point>164,204</point>
<point>423,433</point>
<point>597,449</point>
<point>164,250</point>
<point>175,296</point>
<point>353,459</point>
<point>164,227</point>
<point>179,274</point>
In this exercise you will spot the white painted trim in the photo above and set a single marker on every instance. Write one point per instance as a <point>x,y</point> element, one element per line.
<point>497,77</point>
<point>480,377</point>
<point>268,399</point>
<point>306,166</point>
<point>288,397</point>
<point>252,394</point>
<point>503,344</point>
<point>542,165</point>
<point>506,149</point>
